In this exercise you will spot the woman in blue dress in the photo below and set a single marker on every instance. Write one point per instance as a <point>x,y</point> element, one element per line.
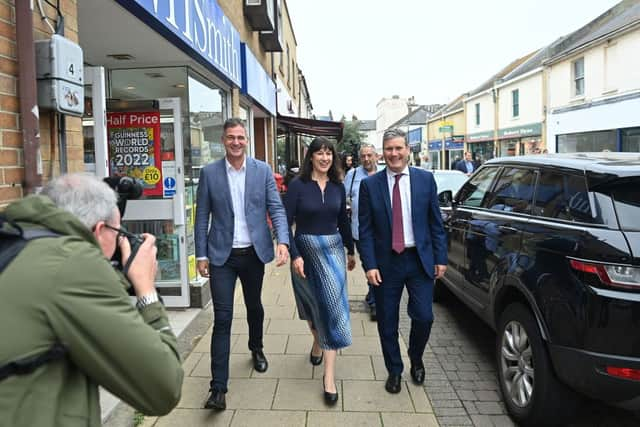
<point>316,204</point>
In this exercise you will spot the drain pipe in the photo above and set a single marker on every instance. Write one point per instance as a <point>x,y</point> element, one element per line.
<point>27,90</point>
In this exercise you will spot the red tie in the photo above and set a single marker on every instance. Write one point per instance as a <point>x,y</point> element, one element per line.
<point>397,231</point>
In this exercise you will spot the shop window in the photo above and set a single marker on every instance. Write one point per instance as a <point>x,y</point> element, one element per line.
<point>587,142</point>
<point>578,77</point>
<point>477,107</point>
<point>631,140</point>
<point>515,103</point>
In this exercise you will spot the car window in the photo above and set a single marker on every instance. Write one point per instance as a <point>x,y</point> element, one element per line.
<point>626,198</point>
<point>513,191</point>
<point>474,191</point>
<point>563,196</point>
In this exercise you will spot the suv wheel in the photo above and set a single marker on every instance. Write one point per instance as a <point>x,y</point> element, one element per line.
<point>529,387</point>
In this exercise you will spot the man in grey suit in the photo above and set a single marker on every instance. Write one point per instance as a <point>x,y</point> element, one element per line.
<point>233,240</point>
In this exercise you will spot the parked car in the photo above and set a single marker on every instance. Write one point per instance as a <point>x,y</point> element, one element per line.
<point>546,250</point>
<point>450,180</point>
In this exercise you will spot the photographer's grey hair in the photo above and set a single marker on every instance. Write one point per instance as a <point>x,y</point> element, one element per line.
<point>85,196</point>
<point>394,133</point>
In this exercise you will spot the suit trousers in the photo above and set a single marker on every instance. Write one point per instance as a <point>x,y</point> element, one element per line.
<point>405,269</point>
<point>248,267</point>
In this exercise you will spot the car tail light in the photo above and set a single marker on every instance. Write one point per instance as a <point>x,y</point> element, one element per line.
<point>620,276</point>
<point>626,373</point>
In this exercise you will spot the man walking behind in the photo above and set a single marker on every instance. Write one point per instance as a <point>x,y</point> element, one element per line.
<point>68,324</point>
<point>234,196</point>
<point>368,166</point>
<point>403,243</point>
<point>467,165</point>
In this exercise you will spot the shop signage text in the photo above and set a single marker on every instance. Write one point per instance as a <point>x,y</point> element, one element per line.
<point>520,131</point>
<point>200,24</point>
<point>480,136</point>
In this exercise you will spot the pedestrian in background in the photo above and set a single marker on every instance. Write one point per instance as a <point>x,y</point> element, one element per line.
<point>466,166</point>
<point>368,166</point>
<point>316,204</point>
<point>74,325</point>
<point>403,244</point>
<point>233,240</point>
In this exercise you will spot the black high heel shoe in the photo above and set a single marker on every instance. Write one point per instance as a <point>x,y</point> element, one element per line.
<point>315,360</point>
<point>329,398</point>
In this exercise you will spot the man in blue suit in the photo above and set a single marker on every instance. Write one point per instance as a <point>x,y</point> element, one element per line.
<point>403,243</point>
<point>233,240</point>
<point>466,165</point>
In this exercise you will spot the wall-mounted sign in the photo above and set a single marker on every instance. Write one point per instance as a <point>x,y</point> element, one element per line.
<point>256,82</point>
<point>199,28</point>
<point>532,129</point>
<point>445,129</point>
<point>134,148</point>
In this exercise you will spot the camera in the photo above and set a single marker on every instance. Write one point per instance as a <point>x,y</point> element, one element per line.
<point>127,188</point>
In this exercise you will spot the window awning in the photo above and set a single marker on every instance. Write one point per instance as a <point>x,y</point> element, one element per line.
<point>311,127</point>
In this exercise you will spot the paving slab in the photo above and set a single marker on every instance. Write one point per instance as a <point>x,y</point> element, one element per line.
<point>244,418</point>
<point>349,368</point>
<point>254,393</point>
<point>409,420</point>
<point>371,396</point>
<point>195,418</point>
<point>340,419</point>
<point>273,344</point>
<point>240,366</point>
<point>304,395</point>
<point>287,366</point>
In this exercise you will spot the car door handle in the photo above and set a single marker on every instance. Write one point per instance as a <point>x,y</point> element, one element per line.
<point>507,229</point>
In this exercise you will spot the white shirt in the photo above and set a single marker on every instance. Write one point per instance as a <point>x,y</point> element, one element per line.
<point>405,198</point>
<point>236,178</point>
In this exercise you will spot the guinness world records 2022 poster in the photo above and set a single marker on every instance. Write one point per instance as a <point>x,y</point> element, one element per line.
<point>134,148</point>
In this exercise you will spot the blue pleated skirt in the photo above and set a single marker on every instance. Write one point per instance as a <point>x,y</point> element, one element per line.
<point>322,297</point>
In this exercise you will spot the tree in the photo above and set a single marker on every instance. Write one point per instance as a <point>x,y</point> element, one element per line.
<point>351,137</point>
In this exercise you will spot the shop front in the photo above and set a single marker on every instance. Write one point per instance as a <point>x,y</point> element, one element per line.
<point>435,151</point>
<point>481,145</point>
<point>520,140</point>
<point>453,150</point>
<point>158,92</point>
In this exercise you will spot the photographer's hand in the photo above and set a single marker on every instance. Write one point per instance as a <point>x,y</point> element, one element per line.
<point>143,268</point>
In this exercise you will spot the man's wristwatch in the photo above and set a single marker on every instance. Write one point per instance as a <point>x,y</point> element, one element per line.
<point>146,300</point>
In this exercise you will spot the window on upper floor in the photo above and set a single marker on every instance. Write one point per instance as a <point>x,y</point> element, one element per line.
<point>515,103</point>
<point>477,106</point>
<point>578,77</point>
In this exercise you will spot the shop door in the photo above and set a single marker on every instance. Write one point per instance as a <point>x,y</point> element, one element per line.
<point>145,143</point>
<point>94,128</point>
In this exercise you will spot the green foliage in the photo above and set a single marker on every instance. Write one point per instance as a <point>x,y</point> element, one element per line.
<point>351,136</point>
<point>138,419</point>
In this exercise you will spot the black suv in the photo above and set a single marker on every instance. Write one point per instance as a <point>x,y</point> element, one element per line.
<point>546,250</point>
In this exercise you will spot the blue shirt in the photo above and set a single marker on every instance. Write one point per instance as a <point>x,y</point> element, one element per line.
<point>353,192</point>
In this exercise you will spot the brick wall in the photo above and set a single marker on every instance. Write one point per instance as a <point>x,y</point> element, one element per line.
<point>11,154</point>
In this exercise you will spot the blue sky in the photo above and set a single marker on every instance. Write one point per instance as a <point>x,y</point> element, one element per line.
<point>355,52</point>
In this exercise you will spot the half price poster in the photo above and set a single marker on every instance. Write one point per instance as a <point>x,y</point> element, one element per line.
<point>134,148</point>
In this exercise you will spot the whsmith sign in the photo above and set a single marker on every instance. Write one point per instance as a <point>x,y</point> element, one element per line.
<point>197,26</point>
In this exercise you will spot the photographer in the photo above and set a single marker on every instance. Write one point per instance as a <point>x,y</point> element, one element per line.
<point>64,306</point>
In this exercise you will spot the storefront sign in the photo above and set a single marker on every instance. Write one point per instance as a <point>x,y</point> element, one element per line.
<point>414,136</point>
<point>256,81</point>
<point>435,145</point>
<point>520,131</point>
<point>134,148</point>
<point>201,27</point>
<point>454,144</point>
<point>480,136</point>
<point>445,129</point>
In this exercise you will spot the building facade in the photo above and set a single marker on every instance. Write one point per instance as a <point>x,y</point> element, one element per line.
<point>445,135</point>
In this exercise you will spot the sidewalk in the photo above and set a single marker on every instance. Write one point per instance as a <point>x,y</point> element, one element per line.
<point>290,392</point>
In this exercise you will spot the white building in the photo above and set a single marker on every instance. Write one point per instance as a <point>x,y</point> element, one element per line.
<point>593,85</point>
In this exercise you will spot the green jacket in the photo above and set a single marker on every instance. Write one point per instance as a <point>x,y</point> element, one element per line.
<point>63,290</point>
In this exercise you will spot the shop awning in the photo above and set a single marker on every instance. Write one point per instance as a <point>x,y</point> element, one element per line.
<point>298,125</point>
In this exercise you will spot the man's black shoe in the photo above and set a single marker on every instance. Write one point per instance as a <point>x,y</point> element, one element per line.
<point>373,313</point>
<point>393,383</point>
<point>260,363</point>
<point>417,373</point>
<point>216,401</point>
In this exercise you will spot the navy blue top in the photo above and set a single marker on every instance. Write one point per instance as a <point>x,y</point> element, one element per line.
<point>316,213</point>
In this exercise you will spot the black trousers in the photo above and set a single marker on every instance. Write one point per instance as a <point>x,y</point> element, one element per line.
<point>246,265</point>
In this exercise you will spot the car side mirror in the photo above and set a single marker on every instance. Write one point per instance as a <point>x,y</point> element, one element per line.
<point>445,198</point>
